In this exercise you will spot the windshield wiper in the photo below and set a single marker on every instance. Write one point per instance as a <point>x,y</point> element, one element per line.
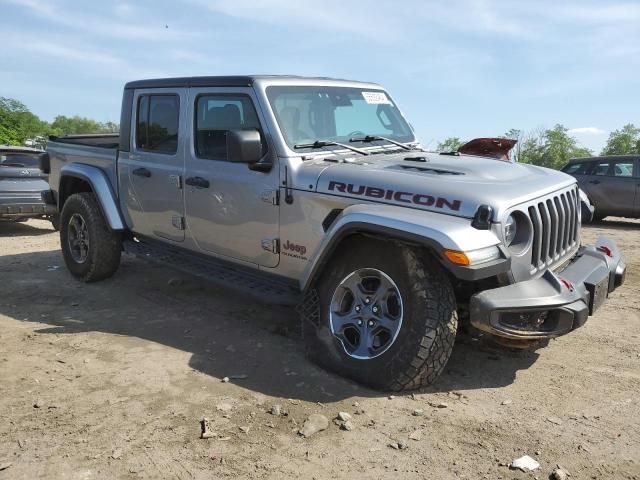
<point>373,138</point>
<point>328,143</point>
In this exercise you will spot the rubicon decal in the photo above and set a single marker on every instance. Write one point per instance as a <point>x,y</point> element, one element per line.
<point>398,196</point>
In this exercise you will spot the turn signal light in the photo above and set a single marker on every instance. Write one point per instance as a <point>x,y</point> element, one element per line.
<point>472,257</point>
<point>459,258</point>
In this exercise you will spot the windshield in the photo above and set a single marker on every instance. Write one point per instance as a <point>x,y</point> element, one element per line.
<point>307,114</point>
<point>19,160</point>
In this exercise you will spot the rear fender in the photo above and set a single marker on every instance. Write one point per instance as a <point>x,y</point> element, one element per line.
<point>102,189</point>
<point>432,230</point>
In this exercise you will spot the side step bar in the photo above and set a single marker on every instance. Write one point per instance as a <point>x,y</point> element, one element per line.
<point>264,287</point>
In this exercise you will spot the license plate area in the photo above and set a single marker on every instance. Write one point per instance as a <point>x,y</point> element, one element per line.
<point>597,294</point>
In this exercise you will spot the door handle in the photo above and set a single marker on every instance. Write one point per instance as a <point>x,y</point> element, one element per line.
<point>595,182</point>
<point>197,182</point>
<point>142,172</point>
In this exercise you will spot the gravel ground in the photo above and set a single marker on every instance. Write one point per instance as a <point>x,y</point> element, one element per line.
<point>111,380</point>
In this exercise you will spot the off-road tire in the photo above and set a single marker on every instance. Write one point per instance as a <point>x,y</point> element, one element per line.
<point>429,324</point>
<point>105,245</point>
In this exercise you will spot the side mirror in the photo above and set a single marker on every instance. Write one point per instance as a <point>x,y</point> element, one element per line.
<point>244,146</point>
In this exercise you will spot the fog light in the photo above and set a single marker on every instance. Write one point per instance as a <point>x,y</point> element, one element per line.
<point>524,321</point>
<point>542,317</point>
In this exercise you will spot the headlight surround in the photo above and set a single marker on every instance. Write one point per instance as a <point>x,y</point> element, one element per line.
<point>517,232</point>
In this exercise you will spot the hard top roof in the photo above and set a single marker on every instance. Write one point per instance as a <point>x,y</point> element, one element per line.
<point>604,158</point>
<point>223,81</point>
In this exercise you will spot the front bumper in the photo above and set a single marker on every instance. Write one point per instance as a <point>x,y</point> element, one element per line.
<point>24,206</point>
<point>556,302</point>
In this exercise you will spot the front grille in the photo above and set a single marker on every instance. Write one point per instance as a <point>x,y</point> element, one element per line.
<point>556,227</point>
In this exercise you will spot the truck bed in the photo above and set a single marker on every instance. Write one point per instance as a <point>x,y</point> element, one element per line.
<point>96,150</point>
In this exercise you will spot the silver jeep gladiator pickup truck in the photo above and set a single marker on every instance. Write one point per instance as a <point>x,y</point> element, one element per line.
<point>315,192</point>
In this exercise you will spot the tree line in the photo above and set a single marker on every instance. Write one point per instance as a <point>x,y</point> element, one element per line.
<point>19,126</point>
<point>554,147</point>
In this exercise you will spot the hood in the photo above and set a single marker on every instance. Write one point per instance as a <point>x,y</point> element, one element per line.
<point>454,185</point>
<point>498,148</point>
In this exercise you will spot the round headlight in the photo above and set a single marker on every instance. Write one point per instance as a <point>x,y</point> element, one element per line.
<point>510,230</point>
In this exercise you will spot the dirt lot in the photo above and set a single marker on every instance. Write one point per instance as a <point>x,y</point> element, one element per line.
<point>110,380</point>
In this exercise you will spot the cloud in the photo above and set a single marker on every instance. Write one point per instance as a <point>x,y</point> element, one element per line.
<point>90,61</point>
<point>624,12</point>
<point>99,23</point>
<point>586,131</point>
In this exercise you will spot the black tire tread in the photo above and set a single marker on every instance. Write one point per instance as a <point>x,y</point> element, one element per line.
<point>418,362</point>
<point>437,343</point>
<point>105,244</point>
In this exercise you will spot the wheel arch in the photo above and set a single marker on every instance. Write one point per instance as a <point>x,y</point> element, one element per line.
<point>77,178</point>
<point>432,232</point>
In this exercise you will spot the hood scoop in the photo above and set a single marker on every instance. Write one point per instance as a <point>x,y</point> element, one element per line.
<point>428,170</point>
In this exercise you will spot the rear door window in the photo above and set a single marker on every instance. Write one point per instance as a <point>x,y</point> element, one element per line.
<point>157,122</point>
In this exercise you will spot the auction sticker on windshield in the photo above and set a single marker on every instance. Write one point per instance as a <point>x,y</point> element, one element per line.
<point>376,98</point>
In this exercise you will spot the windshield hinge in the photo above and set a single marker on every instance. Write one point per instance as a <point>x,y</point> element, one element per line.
<point>288,195</point>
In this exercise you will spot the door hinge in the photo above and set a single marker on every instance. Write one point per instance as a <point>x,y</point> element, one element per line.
<point>178,222</point>
<point>271,196</point>
<point>271,245</point>
<point>176,180</point>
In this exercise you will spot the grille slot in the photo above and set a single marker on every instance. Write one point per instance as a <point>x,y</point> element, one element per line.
<point>555,228</point>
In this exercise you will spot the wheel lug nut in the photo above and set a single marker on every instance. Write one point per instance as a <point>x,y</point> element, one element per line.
<point>359,322</point>
<point>370,323</point>
<point>374,309</point>
<point>367,300</point>
<point>358,308</point>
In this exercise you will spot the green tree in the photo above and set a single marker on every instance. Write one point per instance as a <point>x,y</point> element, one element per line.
<point>63,125</point>
<point>451,144</point>
<point>625,141</point>
<point>551,148</point>
<point>17,123</point>
<point>518,135</point>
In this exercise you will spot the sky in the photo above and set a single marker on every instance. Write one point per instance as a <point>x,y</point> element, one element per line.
<point>464,68</point>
